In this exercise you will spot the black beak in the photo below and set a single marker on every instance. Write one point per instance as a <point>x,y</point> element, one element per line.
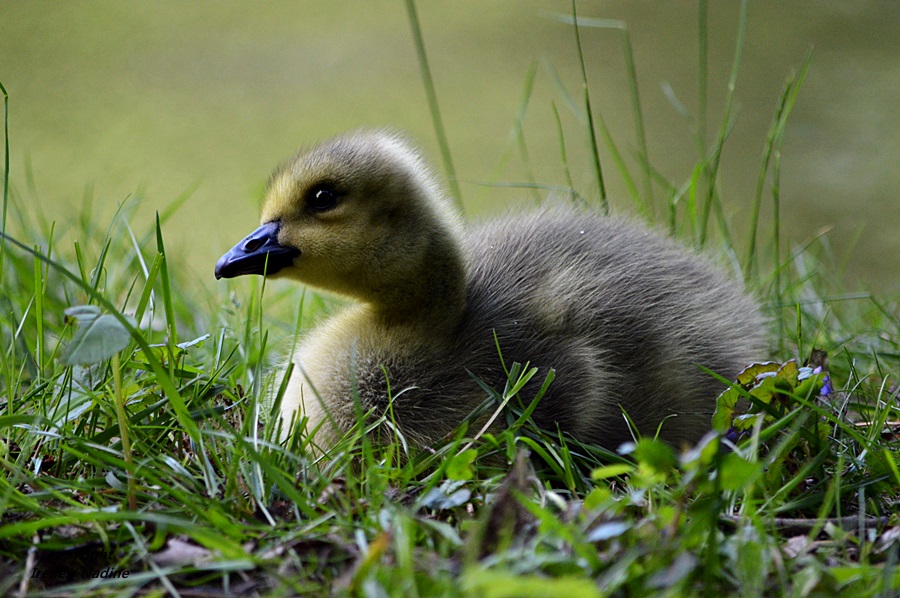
<point>258,253</point>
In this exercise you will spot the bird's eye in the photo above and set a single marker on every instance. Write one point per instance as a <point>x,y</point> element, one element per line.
<point>322,198</point>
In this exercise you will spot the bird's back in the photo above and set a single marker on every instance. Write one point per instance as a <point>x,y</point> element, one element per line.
<point>623,315</point>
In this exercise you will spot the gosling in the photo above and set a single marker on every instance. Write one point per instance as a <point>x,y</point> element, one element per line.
<point>624,316</point>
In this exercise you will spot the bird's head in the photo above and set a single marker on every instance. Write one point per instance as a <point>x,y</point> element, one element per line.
<point>357,215</point>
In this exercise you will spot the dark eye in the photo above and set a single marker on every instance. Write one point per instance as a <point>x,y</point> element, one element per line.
<point>322,198</point>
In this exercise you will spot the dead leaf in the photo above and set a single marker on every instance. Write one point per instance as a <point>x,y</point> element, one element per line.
<point>507,521</point>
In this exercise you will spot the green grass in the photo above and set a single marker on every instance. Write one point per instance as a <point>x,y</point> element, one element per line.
<point>137,435</point>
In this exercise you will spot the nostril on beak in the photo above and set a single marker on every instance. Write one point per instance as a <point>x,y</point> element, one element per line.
<point>252,245</point>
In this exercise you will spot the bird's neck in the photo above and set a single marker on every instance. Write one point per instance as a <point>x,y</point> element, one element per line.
<point>434,299</point>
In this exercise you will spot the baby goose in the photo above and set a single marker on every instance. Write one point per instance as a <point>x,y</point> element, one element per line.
<point>623,315</point>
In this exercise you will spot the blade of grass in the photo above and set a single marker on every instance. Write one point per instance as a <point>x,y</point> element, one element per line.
<point>771,151</point>
<point>595,149</point>
<point>167,294</point>
<point>146,298</point>
<point>518,132</point>
<point>438,122</point>
<point>645,201</point>
<point>573,194</point>
<point>123,430</point>
<point>39,287</point>
<point>5,170</point>
<point>725,127</point>
<point>702,72</point>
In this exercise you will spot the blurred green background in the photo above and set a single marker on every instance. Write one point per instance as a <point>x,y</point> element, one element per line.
<point>157,98</point>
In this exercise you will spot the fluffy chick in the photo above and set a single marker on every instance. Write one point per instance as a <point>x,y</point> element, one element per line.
<point>623,315</point>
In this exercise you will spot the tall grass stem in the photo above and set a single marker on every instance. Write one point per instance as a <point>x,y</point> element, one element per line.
<point>428,81</point>
<point>724,129</point>
<point>595,149</point>
<point>123,429</point>
<point>5,169</point>
<point>702,72</point>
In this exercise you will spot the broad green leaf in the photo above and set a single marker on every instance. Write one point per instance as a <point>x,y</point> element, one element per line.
<point>656,454</point>
<point>82,312</point>
<point>751,564</point>
<point>736,472</point>
<point>810,386</point>
<point>460,466</point>
<point>598,496</point>
<point>96,340</point>
<point>752,372</point>
<point>725,405</point>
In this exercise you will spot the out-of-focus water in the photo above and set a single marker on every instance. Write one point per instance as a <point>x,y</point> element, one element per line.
<point>166,96</point>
